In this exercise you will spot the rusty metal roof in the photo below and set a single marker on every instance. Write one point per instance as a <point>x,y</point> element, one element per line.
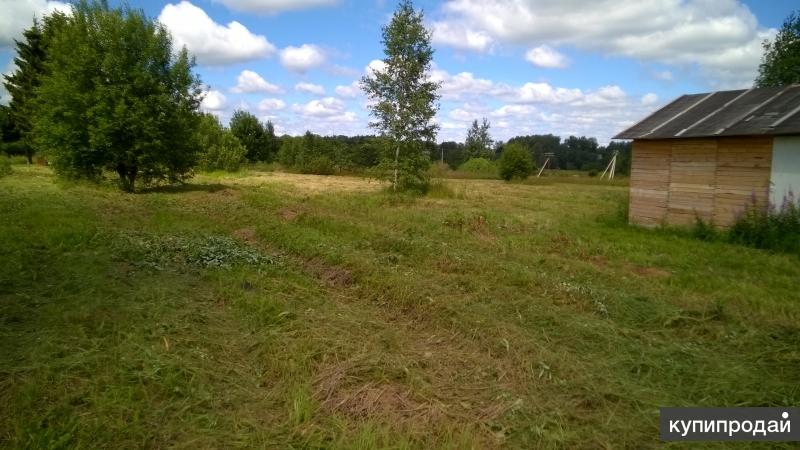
<point>746,112</point>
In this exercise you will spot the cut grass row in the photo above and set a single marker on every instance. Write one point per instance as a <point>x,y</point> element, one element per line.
<point>485,315</point>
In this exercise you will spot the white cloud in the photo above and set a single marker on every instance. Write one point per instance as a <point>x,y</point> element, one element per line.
<point>214,101</point>
<point>536,108</point>
<point>18,15</point>
<point>303,58</point>
<point>649,99</point>
<point>351,90</point>
<point>544,56</point>
<point>542,93</point>
<point>274,6</point>
<point>210,42</point>
<point>375,66</point>
<point>460,85</point>
<point>460,37</point>
<point>326,107</point>
<point>309,88</point>
<point>250,82</point>
<point>271,105</point>
<point>326,116</point>
<point>720,37</point>
<point>513,110</point>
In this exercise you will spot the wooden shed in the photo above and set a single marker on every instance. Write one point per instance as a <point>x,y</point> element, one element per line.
<point>713,155</point>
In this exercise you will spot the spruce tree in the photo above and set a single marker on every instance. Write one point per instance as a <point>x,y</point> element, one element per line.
<point>22,83</point>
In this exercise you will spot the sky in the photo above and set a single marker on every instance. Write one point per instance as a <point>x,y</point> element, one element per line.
<point>566,67</point>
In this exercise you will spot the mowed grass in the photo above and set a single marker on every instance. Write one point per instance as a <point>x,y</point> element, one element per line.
<point>292,311</point>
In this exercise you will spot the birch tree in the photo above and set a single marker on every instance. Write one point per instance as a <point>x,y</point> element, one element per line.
<point>404,98</point>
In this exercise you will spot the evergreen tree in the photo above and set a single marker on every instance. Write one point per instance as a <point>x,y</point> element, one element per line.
<point>272,143</point>
<point>780,65</point>
<point>405,99</point>
<point>22,84</point>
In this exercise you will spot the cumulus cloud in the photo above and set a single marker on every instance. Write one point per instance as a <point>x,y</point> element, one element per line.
<point>274,6</point>
<point>210,42</point>
<point>513,111</point>
<point>249,82</point>
<point>324,116</point>
<point>19,14</point>
<point>460,85</point>
<point>326,107</point>
<point>214,101</point>
<point>544,56</point>
<point>649,99</point>
<point>271,105</point>
<point>310,88</point>
<point>460,37</point>
<point>536,108</point>
<point>302,59</point>
<point>375,66</point>
<point>542,93</point>
<point>722,38</point>
<point>351,90</point>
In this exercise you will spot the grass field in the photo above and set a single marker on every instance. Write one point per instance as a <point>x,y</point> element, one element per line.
<point>293,311</point>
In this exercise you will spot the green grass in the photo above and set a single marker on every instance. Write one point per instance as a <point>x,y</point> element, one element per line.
<point>292,311</point>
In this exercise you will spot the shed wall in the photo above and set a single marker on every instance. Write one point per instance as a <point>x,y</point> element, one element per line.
<point>674,181</point>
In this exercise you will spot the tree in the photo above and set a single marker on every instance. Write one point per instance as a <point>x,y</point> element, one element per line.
<point>780,65</point>
<point>623,150</point>
<point>453,153</point>
<point>405,98</point>
<point>515,162</point>
<point>22,83</point>
<point>539,145</point>
<point>272,143</point>
<point>250,132</point>
<point>219,148</point>
<point>116,97</point>
<point>479,142</point>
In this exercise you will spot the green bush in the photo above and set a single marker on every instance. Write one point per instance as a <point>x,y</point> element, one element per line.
<point>515,162</point>
<point>5,165</point>
<point>219,148</point>
<point>775,229</point>
<point>227,153</point>
<point>319,165</point>
<point>480,166</point>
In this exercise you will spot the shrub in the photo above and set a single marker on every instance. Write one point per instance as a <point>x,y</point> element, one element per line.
<point>481,166</point>
<point>515,162</point>
<point>775,229</point>
<point>219,148</point>
<point>704,230</point>
<point>227,153</point>
<point>5,165</point>
<point>440,170</point>
<point>319,165</point>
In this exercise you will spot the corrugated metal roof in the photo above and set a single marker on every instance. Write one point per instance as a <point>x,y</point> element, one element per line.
<point>745,112</point>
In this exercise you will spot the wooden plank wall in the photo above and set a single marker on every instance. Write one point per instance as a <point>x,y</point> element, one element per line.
<point>674,181</point>
<point>691,184</point>
<point>649,182</point>
<point>744,167</point>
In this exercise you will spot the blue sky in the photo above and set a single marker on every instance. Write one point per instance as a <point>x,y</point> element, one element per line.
<point>562,67</point>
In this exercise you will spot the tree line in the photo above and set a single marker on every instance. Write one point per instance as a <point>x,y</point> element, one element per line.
<point>103,90</point>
